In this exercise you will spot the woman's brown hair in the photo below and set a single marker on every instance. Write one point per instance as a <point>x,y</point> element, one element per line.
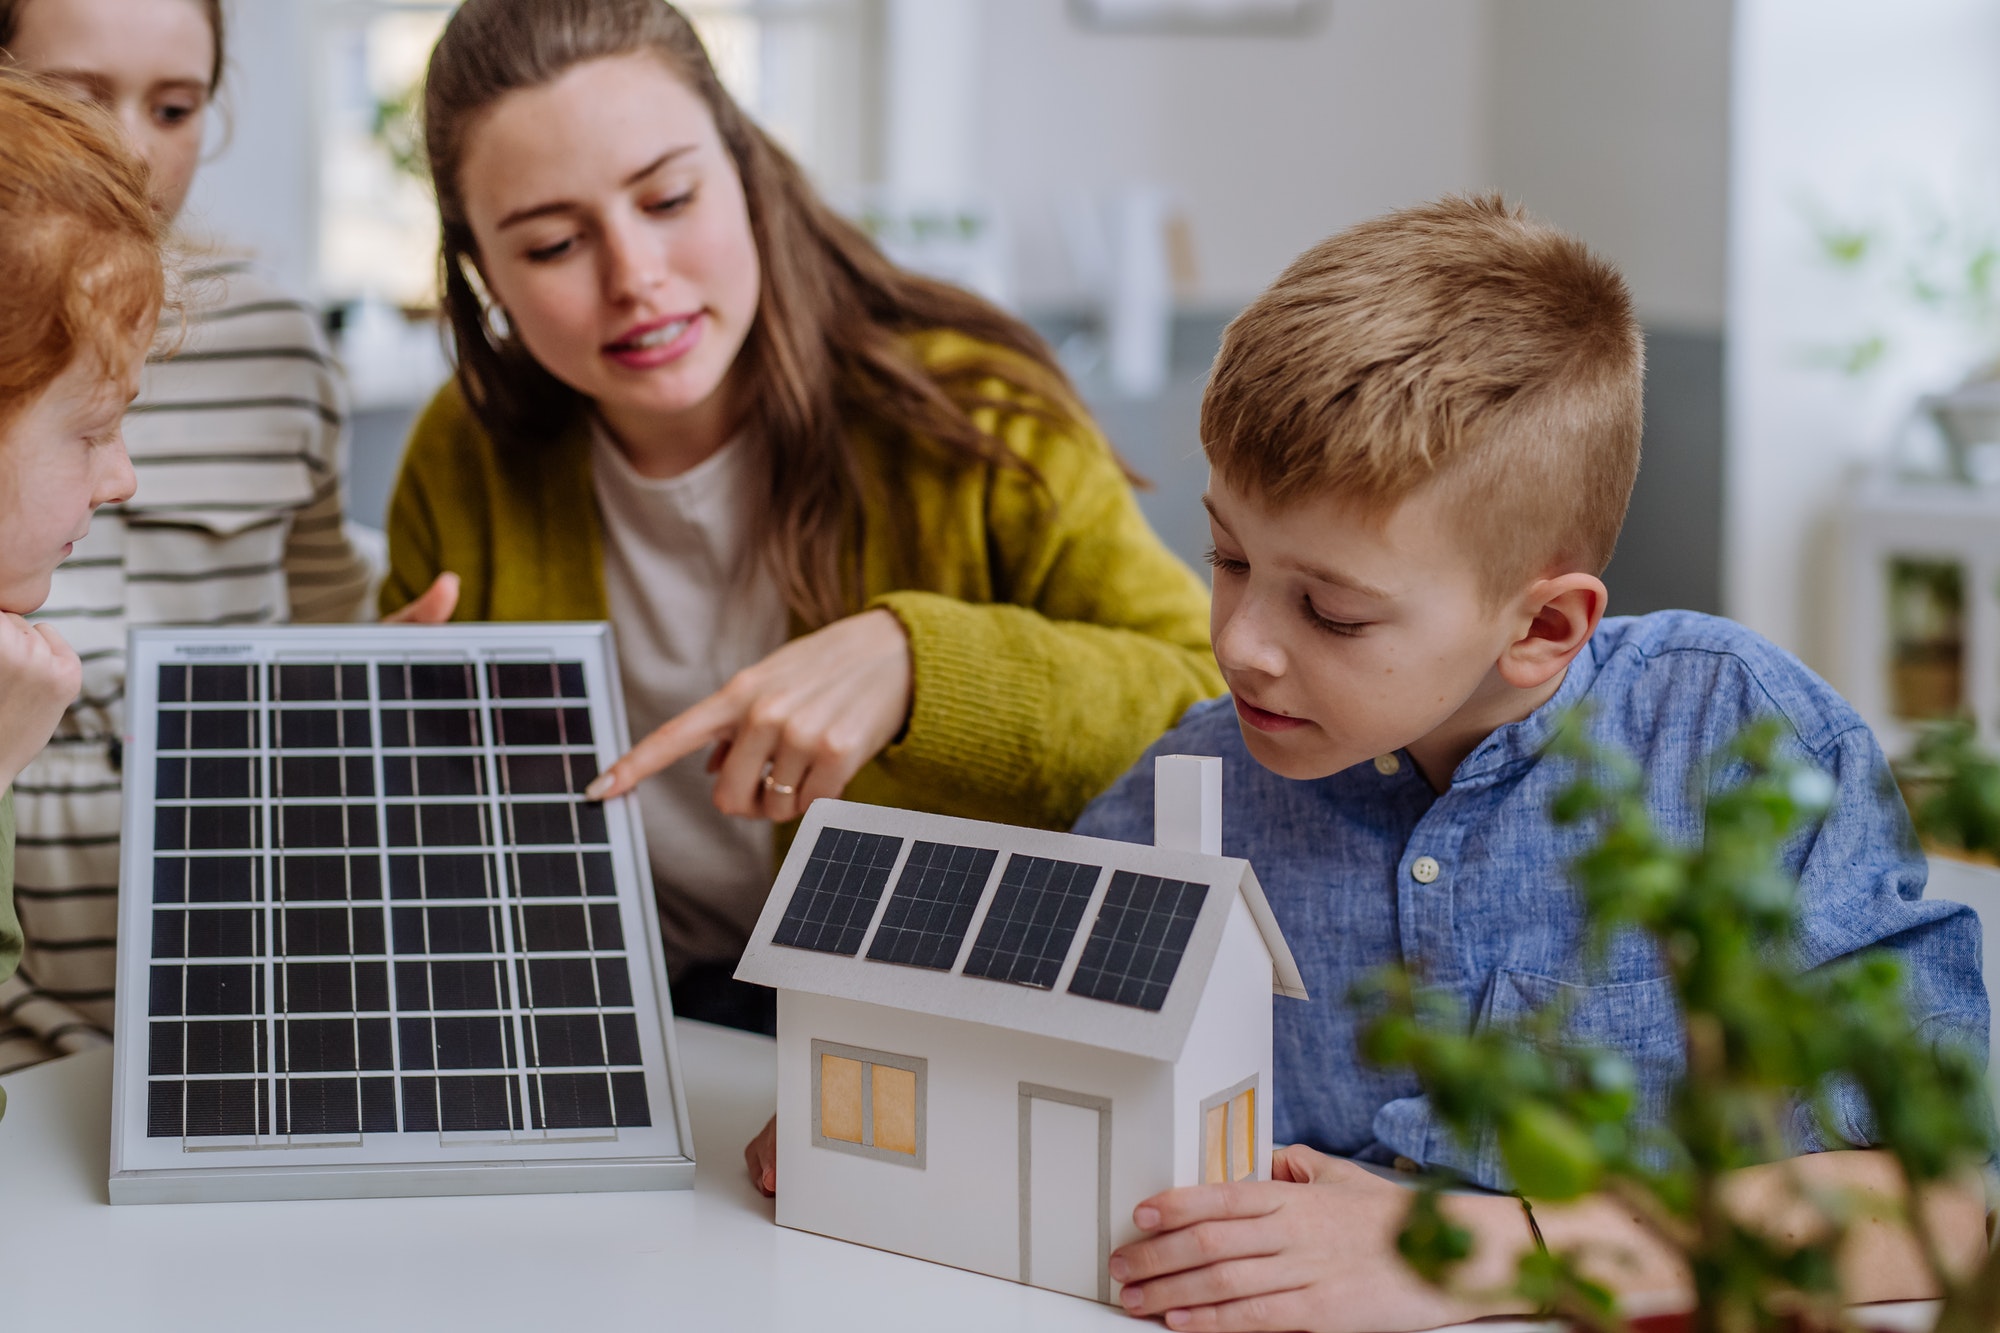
<point>10,20</point>
<point>79,242</point>
<point>829,343</point>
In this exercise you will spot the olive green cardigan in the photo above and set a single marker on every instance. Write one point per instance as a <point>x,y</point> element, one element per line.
<point>1053,637</point>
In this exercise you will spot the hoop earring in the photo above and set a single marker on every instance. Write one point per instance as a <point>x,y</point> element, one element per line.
<point>491,313</point>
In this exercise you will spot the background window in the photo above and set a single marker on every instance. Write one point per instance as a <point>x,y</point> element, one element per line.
<point>793,64</point>
<point>868,1102</point>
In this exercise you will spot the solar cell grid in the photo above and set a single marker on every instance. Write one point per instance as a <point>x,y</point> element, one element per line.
<point>341,826</point>
<point>183,828</point>
<point>309,776</point>
<point>433,775</point>
<point>538,774</point>
<point>430,728</point>
<point>206,879</point>
<point>297,1016</point>
<point>837,891</point>
<point>181,776</point>
<point>426,680</point>
<point>1033,919</point>
<point>1135,947</point>
<point>459,824</point>
<point>536,680</point>
<point>327,878</point>
<point>442,875</point>
<point>549,822</point>
<point>932,905</point>
<point>206,729</point>
<point>563,874</point>
<point>315,681</point>
<point>318,728</point>
<point>541,726</point>
<point>233,682</point>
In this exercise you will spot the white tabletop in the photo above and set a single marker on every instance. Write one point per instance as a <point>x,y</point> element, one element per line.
<point>701,1259</point>
<point>707,1259</point>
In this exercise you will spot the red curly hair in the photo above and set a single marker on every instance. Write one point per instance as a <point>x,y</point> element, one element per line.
<point>80,266</point>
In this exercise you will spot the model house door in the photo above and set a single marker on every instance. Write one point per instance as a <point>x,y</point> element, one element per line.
<point>1066,1191</point>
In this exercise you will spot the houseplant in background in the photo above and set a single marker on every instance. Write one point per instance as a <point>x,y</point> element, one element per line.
<point>1927,276</point>
<point>1763,1040</point>
<point>1952,784</point>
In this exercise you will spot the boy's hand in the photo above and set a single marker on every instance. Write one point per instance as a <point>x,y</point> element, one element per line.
<point>760,1155</point>
<point>40,676</point>
<point>1312,1248</point>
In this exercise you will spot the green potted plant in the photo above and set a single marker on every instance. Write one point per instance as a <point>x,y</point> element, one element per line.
<point>1924,265</point>
<point>1953,788</point>
<point>1761,1038</point>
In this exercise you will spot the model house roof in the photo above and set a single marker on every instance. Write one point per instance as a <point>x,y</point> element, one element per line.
<point>1084,939</point>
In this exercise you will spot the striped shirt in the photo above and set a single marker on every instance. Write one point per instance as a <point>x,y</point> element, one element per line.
<point>238,438</point>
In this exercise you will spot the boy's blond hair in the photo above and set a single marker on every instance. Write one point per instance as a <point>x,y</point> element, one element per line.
<point>1460,344</point>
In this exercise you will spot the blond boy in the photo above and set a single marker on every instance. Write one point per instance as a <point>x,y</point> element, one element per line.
<point>1422,439</point>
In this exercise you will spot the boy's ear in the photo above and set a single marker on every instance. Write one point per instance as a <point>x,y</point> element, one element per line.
<point>1562,613</point>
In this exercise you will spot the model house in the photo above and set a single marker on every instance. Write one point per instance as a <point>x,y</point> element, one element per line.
<point>993,1042</point>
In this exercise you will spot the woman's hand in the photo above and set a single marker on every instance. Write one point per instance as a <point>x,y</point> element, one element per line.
<point>433,608</point>
<point>793,728</point>
<point>760,1155</point>
<point>40,676</point>
<point>1314,1247</point>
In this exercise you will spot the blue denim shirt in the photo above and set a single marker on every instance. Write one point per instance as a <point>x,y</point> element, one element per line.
<point>1500,925</point>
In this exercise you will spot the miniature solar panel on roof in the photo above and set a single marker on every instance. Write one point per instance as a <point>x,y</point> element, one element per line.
<point>1028,929</point>
<point>837,893</point>
<point>1136,945</point>
<point>929,912</point>
<point>384,929</point>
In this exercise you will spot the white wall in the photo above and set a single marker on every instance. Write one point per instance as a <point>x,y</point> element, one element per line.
<point>1269,143</point>
<point>1603,115</point>
<point>258,187</point>
<point>1855,104</point>
<point>963,1207</point>
<point>1611,119</point>
<point>1608,117</point>
<point>1229,1041</point>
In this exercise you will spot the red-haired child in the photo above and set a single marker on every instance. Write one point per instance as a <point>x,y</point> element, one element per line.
<point>80,292</point>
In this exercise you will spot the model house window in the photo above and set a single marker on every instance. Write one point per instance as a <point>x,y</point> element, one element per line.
<point>1229,1135</point>
<point>868,1102</point>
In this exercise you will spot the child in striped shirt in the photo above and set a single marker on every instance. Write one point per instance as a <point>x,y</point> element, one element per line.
<point>238,440</point>
<point>80,290</point>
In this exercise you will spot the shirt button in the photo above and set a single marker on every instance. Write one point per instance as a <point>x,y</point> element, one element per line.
<point>1424,869</point>
<point>1388,765</point>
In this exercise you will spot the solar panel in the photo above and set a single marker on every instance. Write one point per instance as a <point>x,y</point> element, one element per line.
<point>1034,916</point>
<point>932,906</point>
<point>837,893</point>
<point>384,930</point>
<point>1136,944</point>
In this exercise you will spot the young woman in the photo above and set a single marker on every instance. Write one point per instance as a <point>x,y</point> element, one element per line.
<point>853,528</point>
<point>238,440</point>
<point>79,293</point>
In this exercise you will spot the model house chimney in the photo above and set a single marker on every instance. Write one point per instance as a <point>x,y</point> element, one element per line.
<point>1187,804</point>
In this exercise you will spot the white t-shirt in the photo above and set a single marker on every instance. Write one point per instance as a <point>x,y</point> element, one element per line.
<point>692,605</point>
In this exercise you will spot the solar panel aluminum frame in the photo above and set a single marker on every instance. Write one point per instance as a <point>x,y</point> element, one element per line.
<point>414,1163</point>
<point>1054,1012</point>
